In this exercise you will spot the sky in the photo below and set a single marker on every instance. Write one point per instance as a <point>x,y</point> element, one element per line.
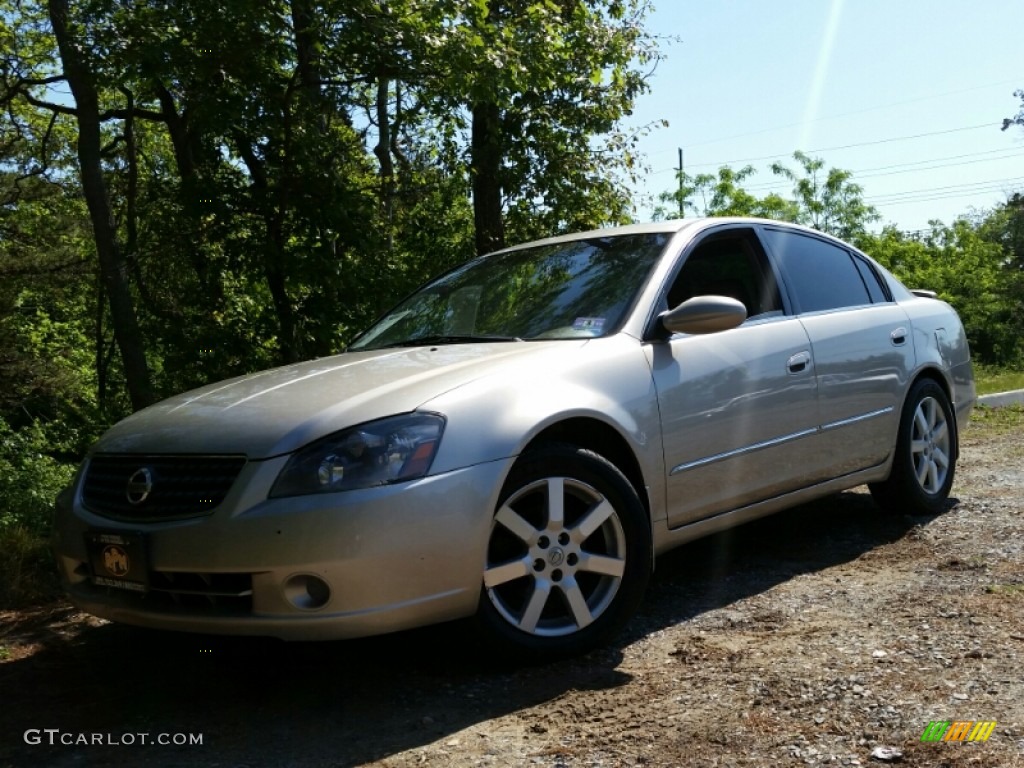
<point>909,95</point>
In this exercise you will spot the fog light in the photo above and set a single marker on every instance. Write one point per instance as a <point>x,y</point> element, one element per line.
<point>306,591</point>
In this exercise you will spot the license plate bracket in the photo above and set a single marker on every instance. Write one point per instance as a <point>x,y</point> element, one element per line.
<point>118,560</point>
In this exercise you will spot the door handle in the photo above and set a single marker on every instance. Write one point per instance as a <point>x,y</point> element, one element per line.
<point>799,362</point>
<point>899,336</point>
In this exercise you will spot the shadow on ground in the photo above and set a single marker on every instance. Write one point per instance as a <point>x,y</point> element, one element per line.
<point>267,703</point>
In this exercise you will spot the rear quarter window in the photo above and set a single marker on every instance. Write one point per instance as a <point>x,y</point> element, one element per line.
<point>874,285</point>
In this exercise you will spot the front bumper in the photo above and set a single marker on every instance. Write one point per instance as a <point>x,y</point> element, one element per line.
<point>378,560</point>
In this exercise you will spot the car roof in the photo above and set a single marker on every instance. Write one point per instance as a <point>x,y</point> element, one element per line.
<point>669,227</point>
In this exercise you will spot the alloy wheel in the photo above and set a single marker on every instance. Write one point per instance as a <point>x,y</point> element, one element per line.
<point>930,445</point>
<point>556,557</point>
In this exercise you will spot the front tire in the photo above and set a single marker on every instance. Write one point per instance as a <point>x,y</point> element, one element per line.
<point>568,557</point>
<point>926,453</point>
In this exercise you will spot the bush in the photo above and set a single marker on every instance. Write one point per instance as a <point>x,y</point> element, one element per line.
<point>30,480</point>
<point>28,575</point>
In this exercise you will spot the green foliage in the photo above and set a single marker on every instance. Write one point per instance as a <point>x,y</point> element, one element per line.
<point>722,194</point>
<point>280,172</point>
<point>1018,119</point>
<point>564,75</point>
<point>27,573</point>
<point>1004,226</point>
<point>828,201</point>
<point>30,477</point>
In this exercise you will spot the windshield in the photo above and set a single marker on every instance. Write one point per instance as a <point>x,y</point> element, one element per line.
<point>573,290</point>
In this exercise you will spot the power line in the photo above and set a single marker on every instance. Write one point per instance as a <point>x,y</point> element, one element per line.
<point>846,146</point>
<point>951,196</point>
<point>922,195</point>
<point>853,146</point>
<point>939,193</point>
<point>929,165</point>
<point>847,114</point>
<point>858,112</point>
<point>964,185</point>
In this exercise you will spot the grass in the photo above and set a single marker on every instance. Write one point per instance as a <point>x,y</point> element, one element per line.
<point>992,380</point>
<point>997,421</point>
<point>1007,590</point>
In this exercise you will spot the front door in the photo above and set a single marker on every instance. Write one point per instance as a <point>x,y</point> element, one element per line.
<point>738,407</point>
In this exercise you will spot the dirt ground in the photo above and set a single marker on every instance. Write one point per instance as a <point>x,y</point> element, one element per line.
<point>827,635</point>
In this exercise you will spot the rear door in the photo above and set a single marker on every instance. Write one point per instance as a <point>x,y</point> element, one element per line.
<point>860,341</point>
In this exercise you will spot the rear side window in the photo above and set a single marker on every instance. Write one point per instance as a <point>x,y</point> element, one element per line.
<point>820,275</point>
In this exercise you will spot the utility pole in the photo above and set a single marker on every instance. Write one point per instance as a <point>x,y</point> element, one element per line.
<point>682,199</point>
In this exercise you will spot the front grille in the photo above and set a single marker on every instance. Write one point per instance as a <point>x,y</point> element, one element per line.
<point>220,593</point>
<point>149,488</point>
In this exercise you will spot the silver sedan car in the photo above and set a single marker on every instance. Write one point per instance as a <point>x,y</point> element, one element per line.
<point>519,439</point>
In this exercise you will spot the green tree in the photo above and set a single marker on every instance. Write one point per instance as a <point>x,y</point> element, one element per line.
<point>545,86</point>
<point>250,164</point>
<point>1018,119</point>
<point>1004,226</point>
<point>827,199</point>
<point>722,194</point>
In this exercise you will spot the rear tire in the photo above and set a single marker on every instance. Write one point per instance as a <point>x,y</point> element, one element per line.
<point>568,557</point>
<point>926,452</point>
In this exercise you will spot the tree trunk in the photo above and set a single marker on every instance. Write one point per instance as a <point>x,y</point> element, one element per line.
<point>185,141</point>
<point>486,169</point>
<point>383,152</point>
<point>274,268</point>
<point>307,65</point>
<point>112,267</point>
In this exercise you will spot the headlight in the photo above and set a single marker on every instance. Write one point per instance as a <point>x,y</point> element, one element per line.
<point>387,451</point>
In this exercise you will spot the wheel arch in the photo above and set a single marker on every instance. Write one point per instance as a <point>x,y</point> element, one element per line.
<point>903,490</point>
<point>604,440</point>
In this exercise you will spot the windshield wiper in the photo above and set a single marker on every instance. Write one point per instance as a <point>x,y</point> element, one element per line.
<point>423,341</point>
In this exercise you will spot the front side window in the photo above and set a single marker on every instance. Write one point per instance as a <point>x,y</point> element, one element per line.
<point>728,264</point>
<point>577,289</point>
<point>820,276</point>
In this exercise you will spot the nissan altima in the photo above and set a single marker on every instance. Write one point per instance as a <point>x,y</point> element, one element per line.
<point>518,441</point>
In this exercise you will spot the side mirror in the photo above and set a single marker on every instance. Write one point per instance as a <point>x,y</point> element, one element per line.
<point>704,314</point>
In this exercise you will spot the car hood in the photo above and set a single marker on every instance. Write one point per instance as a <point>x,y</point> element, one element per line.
<point>277,411</point>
